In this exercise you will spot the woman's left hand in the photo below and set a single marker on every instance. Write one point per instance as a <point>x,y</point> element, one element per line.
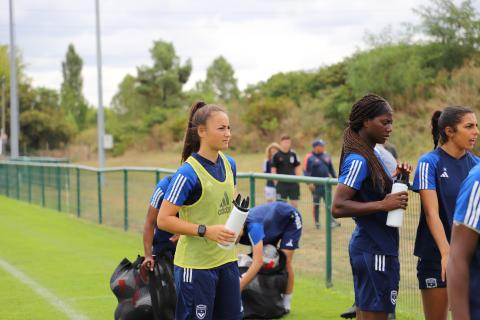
<point>220,234</point>
<point>403,168</point>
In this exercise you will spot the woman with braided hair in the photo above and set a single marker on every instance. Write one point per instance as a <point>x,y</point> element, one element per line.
<point>363,193</point>
<point>438,178</point>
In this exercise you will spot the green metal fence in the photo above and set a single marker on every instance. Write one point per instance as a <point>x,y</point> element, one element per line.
<point>119,197</point>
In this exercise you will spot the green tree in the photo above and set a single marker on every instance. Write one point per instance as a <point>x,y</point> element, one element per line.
<point>292,85</point>
<point>43,123</point>
<point>47,100</point>
<point>267,114</point>
<point>127,102</point>
<point>44,130</point>
<point>331,76</point>
<point>221,80</point>
<point>391,71</point>
<point>455,28</point>
<point>161,85</point>
<point>72,99</point>
<point>201,91</point>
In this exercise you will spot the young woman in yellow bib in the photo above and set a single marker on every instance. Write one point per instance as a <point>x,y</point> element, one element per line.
<point>202,191</point>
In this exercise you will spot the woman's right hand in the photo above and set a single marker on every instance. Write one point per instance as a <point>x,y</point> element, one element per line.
<point>148,263</point>
<point>220,234</point>
<point>394,201</point>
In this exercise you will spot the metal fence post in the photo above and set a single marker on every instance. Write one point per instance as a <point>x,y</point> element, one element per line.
<point>42,182</point>
<point>79,210</point>
<point>59,190</point>
<point>157,176</point>
<point>328,236</point>
<point>2,167</point>
<point>99,190</point>
<point>29,174</point>
<point>18,182</point>
<point>125,199</point>
<point>252,190</point>
<point>7,180</point>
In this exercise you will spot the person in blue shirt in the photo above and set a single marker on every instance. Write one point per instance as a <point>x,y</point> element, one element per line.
<point>363,193</point>
<point>319,164</point>
<point>438,177</point>
<point>155,240</point>
<point>272,223</point>
<point>463,271</point>
<point>202,192</point>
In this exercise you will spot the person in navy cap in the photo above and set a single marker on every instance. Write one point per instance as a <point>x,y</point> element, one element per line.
<point>319,164</point>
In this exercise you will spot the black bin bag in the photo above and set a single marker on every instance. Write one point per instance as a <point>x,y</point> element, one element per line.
<point>262,297</point>
<point>162,287</point>
<point>144,295</point>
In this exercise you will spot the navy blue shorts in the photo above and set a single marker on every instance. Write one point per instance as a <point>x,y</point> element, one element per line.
<point>208,293</point>
<point>375,280</point>
<point>288,190</point>
<point>290,237</point>
<point>429,274</point>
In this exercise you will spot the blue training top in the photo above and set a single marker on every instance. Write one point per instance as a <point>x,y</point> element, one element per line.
<point>439,171</point>
<point>320,165</point>
<point>161,238</point>
<point>371,233</point>
<point>467,212</point>
<point>185,187</point>
<point>268,222</point>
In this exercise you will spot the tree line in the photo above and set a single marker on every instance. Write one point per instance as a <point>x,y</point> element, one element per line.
<point>408,67</point>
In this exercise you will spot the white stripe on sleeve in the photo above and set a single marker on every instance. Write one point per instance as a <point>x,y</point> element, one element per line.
<point>350,171</point>
<point>175,187</point>
<point>427,165</point>
<point>158,194</point>
<point>475,206</point>
<point>179,189</point>
<point>153,201</point>
<point>422,165</point>
<point>157,200</point>
<point>354,172</point>
<point>424,175</point>
<point>470,206</point>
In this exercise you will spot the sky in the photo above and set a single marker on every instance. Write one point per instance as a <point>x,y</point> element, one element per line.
<point>259,38</point>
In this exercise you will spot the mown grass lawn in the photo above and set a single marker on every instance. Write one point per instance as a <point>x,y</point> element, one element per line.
<point>74,259</point>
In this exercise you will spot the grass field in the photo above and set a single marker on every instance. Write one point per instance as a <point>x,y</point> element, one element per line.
<point>73,259</point>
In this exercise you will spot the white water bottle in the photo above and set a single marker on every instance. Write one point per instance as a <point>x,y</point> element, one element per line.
<point>395,217</point>
<point>236,219</point>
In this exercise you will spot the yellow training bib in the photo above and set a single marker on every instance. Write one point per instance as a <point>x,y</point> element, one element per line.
<point>213,207</point>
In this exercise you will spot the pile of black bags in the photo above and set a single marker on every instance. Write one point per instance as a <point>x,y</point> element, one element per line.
<point>144,295</point>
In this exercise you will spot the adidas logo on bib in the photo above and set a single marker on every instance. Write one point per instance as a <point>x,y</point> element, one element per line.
<point>224,207</point>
